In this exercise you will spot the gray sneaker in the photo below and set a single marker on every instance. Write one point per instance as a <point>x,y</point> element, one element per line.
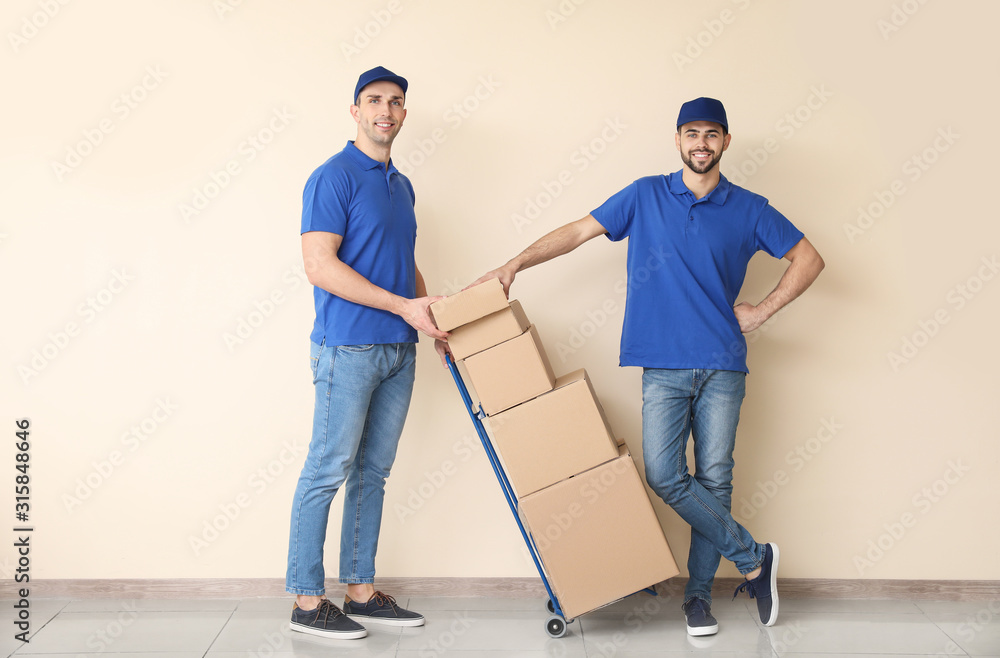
<point>326,620</point>
<point>382,609</point>
<point>700,621</point>
<point>764,587</point>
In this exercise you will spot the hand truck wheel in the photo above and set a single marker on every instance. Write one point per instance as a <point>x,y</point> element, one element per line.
<point>555,626</point>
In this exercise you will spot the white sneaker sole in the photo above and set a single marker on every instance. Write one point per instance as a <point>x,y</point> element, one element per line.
<point>774,586</point>
<point>387,621</point>
<point>701,631</point>
<point>333,635</point>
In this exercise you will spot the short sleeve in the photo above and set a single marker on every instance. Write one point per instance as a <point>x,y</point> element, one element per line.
<point>774,233</point>
<point>616,214</point>
<point>325,202</point>
<point>409,188</point>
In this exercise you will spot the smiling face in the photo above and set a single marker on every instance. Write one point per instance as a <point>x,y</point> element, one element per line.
<point>701,144</point>
<point>379,113</point>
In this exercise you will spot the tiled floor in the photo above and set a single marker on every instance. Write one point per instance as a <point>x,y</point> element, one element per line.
<point>641,625</point>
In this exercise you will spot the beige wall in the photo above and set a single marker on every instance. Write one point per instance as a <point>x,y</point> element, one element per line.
<point>234,419</point>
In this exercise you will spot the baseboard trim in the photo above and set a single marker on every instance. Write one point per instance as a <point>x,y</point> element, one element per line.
<point>239,588</point>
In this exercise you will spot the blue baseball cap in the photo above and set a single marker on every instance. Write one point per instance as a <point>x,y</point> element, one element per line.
<point>703,109</point>
<point>376,74</point>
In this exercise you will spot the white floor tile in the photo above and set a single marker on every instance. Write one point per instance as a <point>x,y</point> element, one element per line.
<point>834,606</point>
<point>279,606</point>
<point>556,651</point>
<point>639,607</point>
<point>158,605</point>
<point>865,655</point>
<point>614,636</point>
<point>127,630</point>
<point>308,646</point>
<point>255,630</point>
<point>984,610</point>
<point>639,626</point>
<point>40,612</point>
<point>141,654</point>
<point>694,651</point>
<point>977,633</point>
<point>856,633</point>
<point>488,630</point>
<point>40,609</point>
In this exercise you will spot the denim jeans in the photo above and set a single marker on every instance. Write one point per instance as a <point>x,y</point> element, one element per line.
<point>362,396</point>
<point>703,404</point>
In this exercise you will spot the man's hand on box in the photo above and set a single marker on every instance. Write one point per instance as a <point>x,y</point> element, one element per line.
<point>417,314</point>
<point>505,274</point>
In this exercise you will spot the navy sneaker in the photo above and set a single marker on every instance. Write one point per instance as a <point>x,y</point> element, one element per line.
<point>699,617</point>
<point>326,620</point>
<point>764,587</point>
<point>382,609</point>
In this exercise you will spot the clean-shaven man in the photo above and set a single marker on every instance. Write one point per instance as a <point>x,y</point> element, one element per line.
<point>358,236</point>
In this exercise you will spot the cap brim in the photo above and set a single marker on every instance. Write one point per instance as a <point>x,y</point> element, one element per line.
<point>709,119</point>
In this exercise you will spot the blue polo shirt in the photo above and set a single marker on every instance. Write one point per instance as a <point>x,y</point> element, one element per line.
<point>687,259</point>
<point>355,197</point>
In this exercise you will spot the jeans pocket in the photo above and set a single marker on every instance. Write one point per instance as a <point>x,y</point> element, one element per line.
<point>315,353</point>
<point>356,348</point>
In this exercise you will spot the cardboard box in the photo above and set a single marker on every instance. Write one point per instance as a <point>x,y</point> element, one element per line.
<point>598,537</point>
<point>554,436</point>
<point>488,331</point>
<point>468,305</point>
<point>510,373</point>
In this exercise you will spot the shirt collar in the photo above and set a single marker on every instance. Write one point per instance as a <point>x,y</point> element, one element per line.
<point>364,161</point>
<point>718,196</point>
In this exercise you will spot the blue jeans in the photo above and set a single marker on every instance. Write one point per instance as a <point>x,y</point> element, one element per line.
<point>703,404</point>
<point>362,396</point>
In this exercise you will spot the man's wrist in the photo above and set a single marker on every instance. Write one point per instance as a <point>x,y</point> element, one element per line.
<point>762,312</point>
<point>397,305</point>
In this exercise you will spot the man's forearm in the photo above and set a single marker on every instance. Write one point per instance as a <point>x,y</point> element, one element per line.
<point>796,279</point>
<point>556,243</point>
<point>340,279</point>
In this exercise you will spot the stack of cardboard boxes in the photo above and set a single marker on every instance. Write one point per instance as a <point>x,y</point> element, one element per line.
<point>579,494</point>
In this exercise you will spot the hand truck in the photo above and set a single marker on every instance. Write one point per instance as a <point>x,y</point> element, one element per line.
<point>556,624</point>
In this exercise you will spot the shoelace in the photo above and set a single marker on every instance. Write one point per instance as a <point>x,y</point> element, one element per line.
<point>382,599</point>
<point>749,587</point>
<point>695,606</point>
<point>328,611</point>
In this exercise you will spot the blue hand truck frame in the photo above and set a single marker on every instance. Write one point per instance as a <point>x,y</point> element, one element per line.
<point>555,625</point>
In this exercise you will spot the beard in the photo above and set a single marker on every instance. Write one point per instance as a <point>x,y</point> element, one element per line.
<point>700,167</point>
